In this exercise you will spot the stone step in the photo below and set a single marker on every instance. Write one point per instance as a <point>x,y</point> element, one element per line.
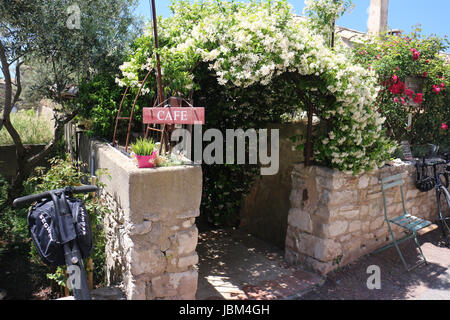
<point>105,293</point>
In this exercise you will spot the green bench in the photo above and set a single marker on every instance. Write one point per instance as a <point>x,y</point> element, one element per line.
<point>413,225</point>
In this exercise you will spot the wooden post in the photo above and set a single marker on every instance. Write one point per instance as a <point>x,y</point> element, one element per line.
<point>90,263</point>
<point>308,147</point>
<point>66,288</point>
<point>90,273</point>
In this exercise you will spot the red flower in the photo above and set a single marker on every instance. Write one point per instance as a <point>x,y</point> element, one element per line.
<point>397,87</point>
<point>436,89</point>
<point>403,101</point>
<point>419,98</point>
<point>442,85</point>
<point>425,74</point>
<point>409,93</point>
<point>396,100</point>
<point>395,78</point>
<point>416,54</point>
<point>444,126</point>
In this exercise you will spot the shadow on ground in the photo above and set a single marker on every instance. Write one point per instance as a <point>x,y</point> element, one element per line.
<point>236,265</point>
<point>20,278</point>
<point>426,282</point>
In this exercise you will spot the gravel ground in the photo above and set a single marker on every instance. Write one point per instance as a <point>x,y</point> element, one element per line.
<point>426,282</point>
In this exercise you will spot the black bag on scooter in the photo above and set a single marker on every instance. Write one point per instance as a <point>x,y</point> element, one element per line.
<point>82,226</point>
<point>52,223</point>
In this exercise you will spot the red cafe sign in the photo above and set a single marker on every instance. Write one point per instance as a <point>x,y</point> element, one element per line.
<point>174,115</point>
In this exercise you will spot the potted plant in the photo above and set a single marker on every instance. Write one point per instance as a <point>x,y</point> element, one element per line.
<point>145,152</point>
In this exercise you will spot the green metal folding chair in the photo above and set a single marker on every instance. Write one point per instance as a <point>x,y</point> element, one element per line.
<point>412,225</point>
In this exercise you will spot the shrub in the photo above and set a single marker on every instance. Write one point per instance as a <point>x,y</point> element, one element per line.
<point>249,63</point>
<point>13,223</point>
<point>32,129</point>
<point>249,45</point>
<point>62,173</point>
<point>143,147</point>
<point>394,58</point>
<point>99,101</point>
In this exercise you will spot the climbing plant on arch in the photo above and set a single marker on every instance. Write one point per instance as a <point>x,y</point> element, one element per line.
<point>256,43</point>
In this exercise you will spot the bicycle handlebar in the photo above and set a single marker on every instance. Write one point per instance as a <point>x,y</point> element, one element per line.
<point>433,161</point>
<point>20,202</point>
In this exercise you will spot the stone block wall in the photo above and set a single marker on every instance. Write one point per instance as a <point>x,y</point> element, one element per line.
<point>150,230</point>
<point>335,217</point>
<point>8,164</point>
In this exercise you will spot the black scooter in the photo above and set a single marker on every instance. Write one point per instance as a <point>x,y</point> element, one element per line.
<point>66,238</point>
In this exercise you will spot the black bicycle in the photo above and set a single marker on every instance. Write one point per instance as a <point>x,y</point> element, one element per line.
<point>440,182</point>
<point>60,229</point>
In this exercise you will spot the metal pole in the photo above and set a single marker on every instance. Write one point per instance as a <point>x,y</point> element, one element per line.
<point>158,68</point>
<point>158,63</point>
<point>333,25</point>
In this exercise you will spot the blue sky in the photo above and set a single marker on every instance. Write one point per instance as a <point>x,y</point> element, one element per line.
<point>432,15</point>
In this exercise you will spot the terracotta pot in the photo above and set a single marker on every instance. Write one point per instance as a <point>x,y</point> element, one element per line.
<point>147,161</point>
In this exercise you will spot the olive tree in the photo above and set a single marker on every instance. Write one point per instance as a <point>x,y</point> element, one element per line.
<point>64,43</point>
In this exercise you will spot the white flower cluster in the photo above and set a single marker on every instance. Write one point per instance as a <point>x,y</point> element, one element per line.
<point>250,43</point>
<point>332,7</point>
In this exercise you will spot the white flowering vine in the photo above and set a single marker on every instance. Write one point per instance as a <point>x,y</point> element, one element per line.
<point>324,13</point>
<point>251,43</point>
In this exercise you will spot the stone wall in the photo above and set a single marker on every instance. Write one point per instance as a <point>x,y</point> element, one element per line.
<point>336,218</point>
<point>151,233</point>
<point>8,163</point>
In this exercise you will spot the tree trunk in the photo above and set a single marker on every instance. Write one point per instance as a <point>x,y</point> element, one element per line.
<point>8,85</point>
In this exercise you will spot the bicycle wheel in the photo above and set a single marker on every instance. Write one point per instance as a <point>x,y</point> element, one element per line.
<point>444,213</point>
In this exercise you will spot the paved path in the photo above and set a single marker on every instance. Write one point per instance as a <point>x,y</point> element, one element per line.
<point>235,265</point>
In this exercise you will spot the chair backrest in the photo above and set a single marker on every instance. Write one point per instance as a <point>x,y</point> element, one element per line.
<point>391,182</point>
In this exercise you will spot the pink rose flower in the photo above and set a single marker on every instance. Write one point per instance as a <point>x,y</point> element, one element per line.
<point>419,98</point>
<point>444,126</point>
<point>409,93</point>
<point>416,54</point>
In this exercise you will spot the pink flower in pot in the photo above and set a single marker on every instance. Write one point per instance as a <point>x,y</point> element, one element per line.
<point>145,153</point>
<point>147,161</point>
